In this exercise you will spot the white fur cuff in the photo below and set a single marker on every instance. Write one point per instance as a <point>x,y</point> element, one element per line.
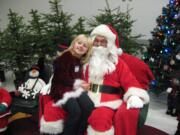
<point>133,91</point>
<point>91,131</point>
<point>5,104</point>
<point>77,84</point>
<point>119,51</point>
<point>68,95</point>
<point>53,127</point>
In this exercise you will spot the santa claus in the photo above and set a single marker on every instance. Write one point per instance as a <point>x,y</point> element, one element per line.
<point>5,101</point>
<point>112,85</point>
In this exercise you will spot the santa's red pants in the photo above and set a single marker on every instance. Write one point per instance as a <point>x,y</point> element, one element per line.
<point>126,120</point>
<point>102,120</point>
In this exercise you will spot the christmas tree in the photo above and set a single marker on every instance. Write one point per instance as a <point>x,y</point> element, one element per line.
<point>79,27</point>
<point>58,24</point>
<point>15,50</point>
<point>123,23</point>
<point>39,39</point>
<point>163,53</point>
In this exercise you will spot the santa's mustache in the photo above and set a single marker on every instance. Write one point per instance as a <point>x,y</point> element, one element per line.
<point>100,51</point>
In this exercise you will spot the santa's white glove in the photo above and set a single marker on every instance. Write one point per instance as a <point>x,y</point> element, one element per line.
<point>46,89</point>
<point>169,90</point>
<point>134,102</point>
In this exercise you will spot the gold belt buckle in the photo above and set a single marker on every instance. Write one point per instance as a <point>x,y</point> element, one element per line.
<point>95,88</point>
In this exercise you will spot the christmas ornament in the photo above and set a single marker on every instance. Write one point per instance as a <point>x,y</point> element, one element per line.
<point>172,62</point>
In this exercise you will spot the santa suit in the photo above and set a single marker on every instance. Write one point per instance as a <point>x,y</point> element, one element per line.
<point>5,99</point>
<point>139,69</point>
<point>144,75</point>
<point>113,74</point>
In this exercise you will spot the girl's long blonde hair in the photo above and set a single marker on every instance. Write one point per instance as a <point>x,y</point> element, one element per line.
<point>85,57</point>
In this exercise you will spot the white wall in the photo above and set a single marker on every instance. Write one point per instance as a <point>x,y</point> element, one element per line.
<point>144,11</point>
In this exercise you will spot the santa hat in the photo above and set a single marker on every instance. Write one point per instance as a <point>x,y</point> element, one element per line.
<point>34,67</point>
<point>110,33</point>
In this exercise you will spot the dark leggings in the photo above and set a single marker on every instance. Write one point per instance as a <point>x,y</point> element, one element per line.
<point>78,112</point>
<point>87,107</point>
<point>73,119</point>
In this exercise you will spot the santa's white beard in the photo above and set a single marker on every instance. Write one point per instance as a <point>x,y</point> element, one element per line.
<point>100,64</point>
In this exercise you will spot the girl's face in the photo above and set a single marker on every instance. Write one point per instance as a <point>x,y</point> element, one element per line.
<point>80,47</point>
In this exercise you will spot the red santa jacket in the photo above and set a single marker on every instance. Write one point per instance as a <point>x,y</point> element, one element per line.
<point>5,99</point>
<point>140,70</point>
<point>121,77</point>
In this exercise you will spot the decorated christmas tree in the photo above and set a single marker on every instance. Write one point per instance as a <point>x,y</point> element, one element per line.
<point>163,53</point>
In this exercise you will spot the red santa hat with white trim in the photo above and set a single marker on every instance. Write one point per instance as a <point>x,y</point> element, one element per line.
<point>110,34</point>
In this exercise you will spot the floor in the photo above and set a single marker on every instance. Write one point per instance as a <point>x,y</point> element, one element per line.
<point>157,116</point>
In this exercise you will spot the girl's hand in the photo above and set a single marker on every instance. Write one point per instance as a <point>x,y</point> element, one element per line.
<point>85,86</point>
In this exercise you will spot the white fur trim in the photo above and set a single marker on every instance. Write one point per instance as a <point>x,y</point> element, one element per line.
<point>96,97</point>
<point>3,129</point>
<point>47,88</point>
<point>77,84</point>
<point>5,104</point>
<point>119,51</point>
<point>103,30</point>
<point>91,131</point>
<point>112,104</point>
<point>133,91</point>
<point>54,127</point>
<point>68,95</point>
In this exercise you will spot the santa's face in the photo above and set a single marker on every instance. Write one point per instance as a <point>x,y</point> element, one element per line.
<point>100,41</point>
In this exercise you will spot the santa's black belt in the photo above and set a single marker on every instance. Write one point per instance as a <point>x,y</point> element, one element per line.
<point>104,89</point>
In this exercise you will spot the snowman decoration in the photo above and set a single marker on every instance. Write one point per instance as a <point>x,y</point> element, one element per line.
<point>31,88</point>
